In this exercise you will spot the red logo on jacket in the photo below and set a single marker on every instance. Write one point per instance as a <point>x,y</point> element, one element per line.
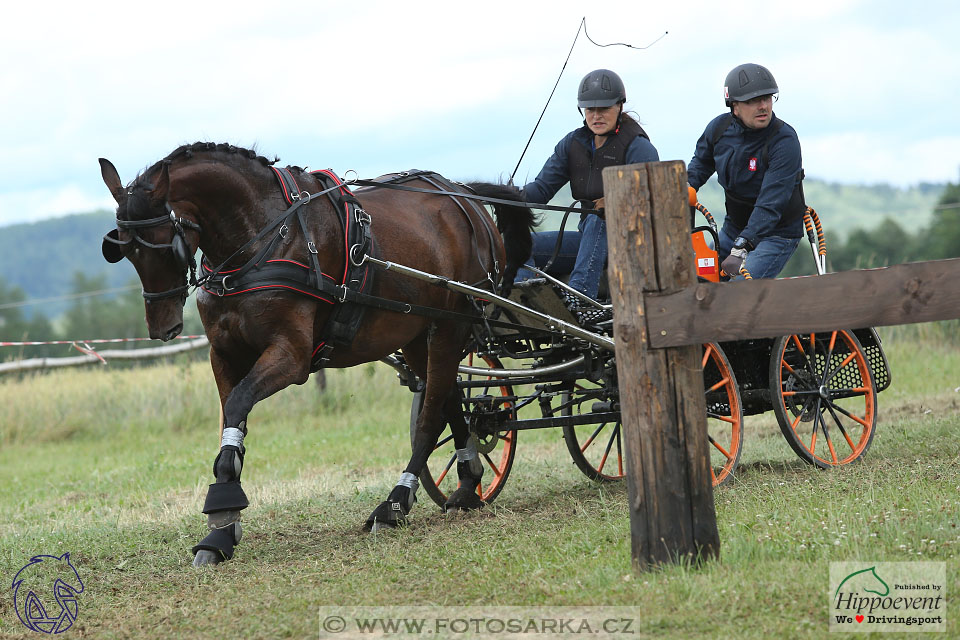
<point>752,165</point>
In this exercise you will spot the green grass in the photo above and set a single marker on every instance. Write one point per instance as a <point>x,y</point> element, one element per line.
<point>113,466</point>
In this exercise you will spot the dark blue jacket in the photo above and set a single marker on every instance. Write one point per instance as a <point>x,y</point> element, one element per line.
<point>744,172</point>
<point>555,172</point>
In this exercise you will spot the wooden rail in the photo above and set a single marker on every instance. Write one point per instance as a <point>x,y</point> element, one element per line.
<point>33,364</point>
<point>662,315</point>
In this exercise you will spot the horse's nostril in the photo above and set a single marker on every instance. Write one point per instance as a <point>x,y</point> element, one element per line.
<point>173,332</point>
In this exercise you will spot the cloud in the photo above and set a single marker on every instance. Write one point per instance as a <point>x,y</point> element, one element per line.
<point>451,86</point>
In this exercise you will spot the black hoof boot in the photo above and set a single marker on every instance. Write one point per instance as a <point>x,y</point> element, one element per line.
<point>218,546</point>
<point>391,513</point>
<point>463,499</point>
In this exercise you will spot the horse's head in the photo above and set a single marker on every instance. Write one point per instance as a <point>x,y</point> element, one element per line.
<point>157,240</point>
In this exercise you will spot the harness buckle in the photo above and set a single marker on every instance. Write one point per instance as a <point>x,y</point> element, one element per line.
<point>342,293</point>
<point>223,285</point>
<point>312,248</point>
<point>284,230</point>
<point>361,216</point>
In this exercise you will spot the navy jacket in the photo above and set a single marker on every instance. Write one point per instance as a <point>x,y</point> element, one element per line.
<point>555,172</point>
<point>738,159</point>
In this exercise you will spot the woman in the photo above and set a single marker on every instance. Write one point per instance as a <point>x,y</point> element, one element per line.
<point>607,138</point>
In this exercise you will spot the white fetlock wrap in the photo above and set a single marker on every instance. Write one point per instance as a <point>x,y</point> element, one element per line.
<point>411,482</point>
<point>232,437</point>
<point>469,455</point>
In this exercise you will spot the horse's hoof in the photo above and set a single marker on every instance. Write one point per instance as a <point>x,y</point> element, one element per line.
<point>388,515</point>
<point>377,526</point>
<point>463,500</point>
<point>206,558</point>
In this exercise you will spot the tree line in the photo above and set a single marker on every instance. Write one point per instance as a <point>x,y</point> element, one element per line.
<point>102,316</point>
<point>889,242</point>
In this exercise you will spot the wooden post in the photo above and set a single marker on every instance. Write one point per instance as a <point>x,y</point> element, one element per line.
<point>672,516</point>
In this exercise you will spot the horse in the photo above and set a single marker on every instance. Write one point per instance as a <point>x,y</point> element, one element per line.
<point>284,289</point>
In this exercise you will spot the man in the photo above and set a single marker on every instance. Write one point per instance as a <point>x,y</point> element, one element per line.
<point>608,137</point>
<point>756,157</point>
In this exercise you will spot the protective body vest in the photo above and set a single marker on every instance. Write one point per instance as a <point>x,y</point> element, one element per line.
<point>585,166</point>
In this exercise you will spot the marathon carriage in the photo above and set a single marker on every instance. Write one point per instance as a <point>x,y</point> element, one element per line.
<point>534,374</point>
<point>299,274</point>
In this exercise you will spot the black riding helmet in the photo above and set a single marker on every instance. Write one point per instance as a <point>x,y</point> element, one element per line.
<point>601,88</point>
<point>748,81</point>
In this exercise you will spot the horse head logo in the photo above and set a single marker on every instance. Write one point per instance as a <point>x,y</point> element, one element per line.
<point>43,581</point>
<point>865,579</point>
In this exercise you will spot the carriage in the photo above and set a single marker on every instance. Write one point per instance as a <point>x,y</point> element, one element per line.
<point>299,273</point>
<point>822,388</point>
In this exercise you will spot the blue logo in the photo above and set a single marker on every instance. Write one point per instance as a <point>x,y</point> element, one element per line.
<point>45,594</point>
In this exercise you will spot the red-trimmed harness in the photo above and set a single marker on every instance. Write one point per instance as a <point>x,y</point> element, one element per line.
<point>262,273</point>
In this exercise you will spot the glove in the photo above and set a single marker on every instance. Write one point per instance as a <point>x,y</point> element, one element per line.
<point>732,263</point>
<point>598,205</point>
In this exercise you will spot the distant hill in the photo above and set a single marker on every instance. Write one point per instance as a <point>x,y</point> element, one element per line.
<point>42,257</point>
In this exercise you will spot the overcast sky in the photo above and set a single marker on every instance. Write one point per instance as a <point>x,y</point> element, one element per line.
<point>871,87</point>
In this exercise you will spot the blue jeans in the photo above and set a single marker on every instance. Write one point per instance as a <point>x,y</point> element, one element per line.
<point>583,255</point>
<point>766,260</point>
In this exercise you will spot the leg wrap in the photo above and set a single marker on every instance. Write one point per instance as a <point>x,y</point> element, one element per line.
<point>221,541</point>
<point>469,466</point>
<point>226,494</point>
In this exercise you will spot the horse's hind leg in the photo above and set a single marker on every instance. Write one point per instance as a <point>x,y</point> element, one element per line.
<point>274,370</point>
<point>444,345</point>
<point>469,467</point>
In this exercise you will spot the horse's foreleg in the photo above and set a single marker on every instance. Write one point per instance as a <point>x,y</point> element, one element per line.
<point>277,368</point>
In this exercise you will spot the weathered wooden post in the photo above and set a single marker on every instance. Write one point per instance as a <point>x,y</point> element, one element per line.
<point>672,516</point>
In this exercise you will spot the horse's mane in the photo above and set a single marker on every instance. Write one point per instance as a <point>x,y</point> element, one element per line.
<point>196,147</point>
<point>186,151</point>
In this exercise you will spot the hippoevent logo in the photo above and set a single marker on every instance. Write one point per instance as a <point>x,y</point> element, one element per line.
<point>45,593</point>
<point>888,596</point>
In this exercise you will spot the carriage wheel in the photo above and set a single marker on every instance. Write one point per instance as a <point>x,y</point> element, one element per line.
<point>439,476</point>
<point>824,396</point>
<point>597,449</point>
<point>724,414</point>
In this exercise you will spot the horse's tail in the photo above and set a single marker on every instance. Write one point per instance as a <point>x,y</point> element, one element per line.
<point>515,223</point>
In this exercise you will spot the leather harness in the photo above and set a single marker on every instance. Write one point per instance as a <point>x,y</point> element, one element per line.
<point>349,291</point>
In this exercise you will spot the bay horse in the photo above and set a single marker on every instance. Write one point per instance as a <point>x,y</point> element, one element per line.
<point>277,263</point>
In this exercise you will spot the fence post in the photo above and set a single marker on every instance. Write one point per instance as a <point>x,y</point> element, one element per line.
<point>672,516</point>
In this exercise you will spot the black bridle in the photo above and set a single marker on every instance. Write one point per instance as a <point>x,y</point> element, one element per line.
<point>178,245</point>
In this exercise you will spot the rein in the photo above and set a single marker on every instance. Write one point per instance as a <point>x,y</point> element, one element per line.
<point>469,196</point>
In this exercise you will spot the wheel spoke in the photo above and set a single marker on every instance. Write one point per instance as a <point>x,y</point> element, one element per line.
<point>843,431</point>
<point>443,442</point>
<point>606,452</point>
<point>722,383</point>
<point>446,469</point>
<point>719,448</point>
<point>717,416</point>
<point>826,435</point>
<point>592,436</point>
<point>707,351</point>
<point>849,415</point>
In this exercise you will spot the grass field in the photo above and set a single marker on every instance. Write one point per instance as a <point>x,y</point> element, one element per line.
<point>112,466</point>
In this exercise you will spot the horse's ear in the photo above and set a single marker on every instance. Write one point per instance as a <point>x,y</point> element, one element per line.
<point>112,179</point>
<point>162,186</point>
